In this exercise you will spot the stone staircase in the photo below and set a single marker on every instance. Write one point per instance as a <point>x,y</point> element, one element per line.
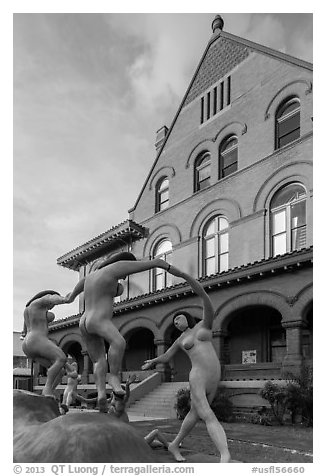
<point>157,404</point>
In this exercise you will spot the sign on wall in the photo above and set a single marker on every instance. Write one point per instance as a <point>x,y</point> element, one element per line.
<point>249,356</point>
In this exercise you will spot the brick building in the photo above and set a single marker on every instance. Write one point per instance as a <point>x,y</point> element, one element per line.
<point>229,200</point>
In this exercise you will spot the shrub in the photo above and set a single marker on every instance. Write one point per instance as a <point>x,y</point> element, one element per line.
<point>222,406</point>
<point>276,395</point>
<point>262,417</point>
<point>300,395</point>
<point>182,405</point>
<point>296,396</point>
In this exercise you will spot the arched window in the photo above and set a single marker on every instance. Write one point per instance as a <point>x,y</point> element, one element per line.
<point>228,156</point>
<point>216,246</point>
<point>287,122</point>
<point>288,219</point>
<point>202,171</point>
<point>162,195</point>
<point>162,279</point>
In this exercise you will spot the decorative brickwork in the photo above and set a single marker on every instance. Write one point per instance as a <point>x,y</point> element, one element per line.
<point>221,58</point>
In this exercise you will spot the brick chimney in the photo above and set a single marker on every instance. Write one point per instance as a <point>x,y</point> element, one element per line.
<point>160,136</point>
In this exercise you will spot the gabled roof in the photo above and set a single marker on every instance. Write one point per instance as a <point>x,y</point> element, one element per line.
<point>123,233</point>
<point>224,50</point>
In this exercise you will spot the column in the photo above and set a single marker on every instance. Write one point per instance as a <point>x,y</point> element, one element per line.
<point>36,371</point>
<point>293,359</point>
<point>164,369</point>
<point>218,343</point>
<point>86,367</point>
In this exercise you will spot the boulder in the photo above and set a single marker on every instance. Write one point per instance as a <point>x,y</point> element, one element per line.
<point>42,435</point>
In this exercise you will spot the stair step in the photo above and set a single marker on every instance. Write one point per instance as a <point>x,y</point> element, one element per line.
<point>159,402</point>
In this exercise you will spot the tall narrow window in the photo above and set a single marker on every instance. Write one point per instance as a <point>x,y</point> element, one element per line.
<point>208,109</point>
<point>228,98</point>
<point>162,195</point>
<point>202,171</point>
<point>221,95</point>
<point>162,279</point>
<point>216,246</point>
<point>287,122</point>
<point>215,100</point>
<point>288,219</point>
<point>202,103</point>
<point>228,156</point>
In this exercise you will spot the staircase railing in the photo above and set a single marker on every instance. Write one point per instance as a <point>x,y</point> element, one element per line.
<point>139,390</point>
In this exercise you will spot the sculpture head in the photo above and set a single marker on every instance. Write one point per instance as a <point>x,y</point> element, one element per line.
<point>42,294</point>
<point>183,321</point>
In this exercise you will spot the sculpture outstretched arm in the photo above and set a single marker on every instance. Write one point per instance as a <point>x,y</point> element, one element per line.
<point>51,300</point>
<point>121,269</point>
<point>164,358</point>
<point>208,313</point>
<point>79,288</point>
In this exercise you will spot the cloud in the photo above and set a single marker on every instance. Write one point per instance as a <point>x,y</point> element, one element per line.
<point>90,91</point>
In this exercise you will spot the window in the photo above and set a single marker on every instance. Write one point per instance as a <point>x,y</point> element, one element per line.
<point>287,122</point>
<point>162,279</point>
<point>162,195</point>
<point>215,100</point>
<point>202,171</point>
<point>288,219</point>
<point>216,246</point>
<point>228,156</point>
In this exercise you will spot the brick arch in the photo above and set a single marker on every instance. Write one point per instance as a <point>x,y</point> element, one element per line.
<point>140,322</point>
<point>206,145</point>
<point>168,318</point>
<point>166,171</point>
<point>275,300</point>
<point>233,128</point>
<point>169,231</point>
<point>71,338</point>
<point>299,88</point>
<point>284,175</point>
<point>302,300</point>
<point>224,206</point>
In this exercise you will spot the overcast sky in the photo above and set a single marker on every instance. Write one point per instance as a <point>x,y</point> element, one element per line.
<point>90,92</point>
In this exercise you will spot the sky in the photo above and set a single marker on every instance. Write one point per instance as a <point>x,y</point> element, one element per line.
<point>90,91</point>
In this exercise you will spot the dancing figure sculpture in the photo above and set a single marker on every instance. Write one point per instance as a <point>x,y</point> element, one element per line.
<point>36,344</point>
<point>205,374</point>
<point>100,287</point>
<point>70,392</point>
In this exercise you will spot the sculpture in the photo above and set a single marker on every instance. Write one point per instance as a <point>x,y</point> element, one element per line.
<point>70,392</point>
<point>205,374</point>
<point>100,287</point>
<point>36,344</point>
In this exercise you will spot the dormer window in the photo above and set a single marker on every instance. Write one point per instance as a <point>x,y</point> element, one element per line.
<point>162,195</point>
<point>287,122</point>
<point>202,171</point>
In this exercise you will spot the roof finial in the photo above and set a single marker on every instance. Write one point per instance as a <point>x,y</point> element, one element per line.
<point>217,24</point>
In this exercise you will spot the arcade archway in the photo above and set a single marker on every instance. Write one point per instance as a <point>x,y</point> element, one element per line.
<point>140,347</point>
<point>74,350</point>
<point>254,335</point>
